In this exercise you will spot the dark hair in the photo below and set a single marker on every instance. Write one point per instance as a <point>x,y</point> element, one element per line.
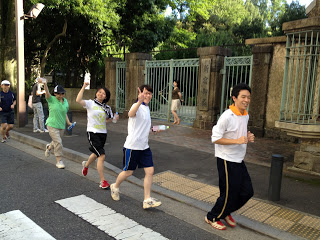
<point>147,87</point>
<point>106,90</point>
<point>178,83</point>
<point>237,88</point>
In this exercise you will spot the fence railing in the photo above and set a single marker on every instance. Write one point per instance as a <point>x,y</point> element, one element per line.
<point>161,74</point>
<point>121,86</point>
<point>301,81</point>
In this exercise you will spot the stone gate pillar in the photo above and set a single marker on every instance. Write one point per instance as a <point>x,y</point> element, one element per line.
<point>209,85</point>
<point>110,79</point>
<point>135,76</point>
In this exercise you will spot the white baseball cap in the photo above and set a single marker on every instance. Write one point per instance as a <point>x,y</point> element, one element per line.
<point>5,82</point>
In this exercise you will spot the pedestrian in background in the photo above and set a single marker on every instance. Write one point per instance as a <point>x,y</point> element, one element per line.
<point>136,151</point>
<point>56,122</point>
<point>176,104</point>
<point>38,116</point>
<point>231,137</point>
<point>98,114</point>
<point>7,103</point>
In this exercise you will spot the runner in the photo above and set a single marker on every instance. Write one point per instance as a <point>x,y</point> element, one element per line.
<point>136,151</point>
<point>98,114</point>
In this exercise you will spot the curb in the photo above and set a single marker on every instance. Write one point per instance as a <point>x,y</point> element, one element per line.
<point>241,220</point>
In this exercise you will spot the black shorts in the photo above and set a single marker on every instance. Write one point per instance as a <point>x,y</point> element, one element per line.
<point>97,141</point>
<point>7,117</point>
<point>134,158</point>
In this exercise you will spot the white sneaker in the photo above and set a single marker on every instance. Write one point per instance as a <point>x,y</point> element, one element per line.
<point>60,164</point>
<point>114,192</point>
<point>46,130</point>
<point>40,131</point>
<point>151,203</point>
<point>36,130</point>
<point>47,152</point>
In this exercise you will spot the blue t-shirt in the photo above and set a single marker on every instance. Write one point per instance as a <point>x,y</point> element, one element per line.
<point>6,100</point>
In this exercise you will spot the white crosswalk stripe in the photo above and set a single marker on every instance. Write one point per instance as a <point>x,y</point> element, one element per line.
<point>15,225</point>
<point>107,220</point>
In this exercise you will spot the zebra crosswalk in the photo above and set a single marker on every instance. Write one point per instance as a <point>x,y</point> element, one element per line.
<point>108,220</point>
<point>16,225</point>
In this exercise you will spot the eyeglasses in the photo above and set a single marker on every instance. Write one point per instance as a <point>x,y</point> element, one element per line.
<point>60,93</point>
<point>6,85</point>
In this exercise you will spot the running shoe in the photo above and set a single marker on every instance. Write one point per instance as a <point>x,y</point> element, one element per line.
<point>60,164</point>
<point>7,135</point>
<point>151,203</point>
<point>47,152</point>
<point>114,192</point>
<point>84,169</point>
<point>217,225</point>
<point>4,140</point>
<point>104,184</point>
<point>231,222</point>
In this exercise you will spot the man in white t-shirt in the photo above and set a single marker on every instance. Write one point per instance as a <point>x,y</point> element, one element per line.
<point>230,136</point>
<point>136,151</point>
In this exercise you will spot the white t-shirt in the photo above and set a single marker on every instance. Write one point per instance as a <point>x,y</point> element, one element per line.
<point>138,129</point>
<point>96,117</point>
<point>230,126</point>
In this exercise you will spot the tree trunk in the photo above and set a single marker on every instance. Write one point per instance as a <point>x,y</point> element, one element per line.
<point>45,54</point>
<point>8,69</point>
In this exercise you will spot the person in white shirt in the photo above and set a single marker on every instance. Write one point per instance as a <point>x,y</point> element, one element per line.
<point>231,137</point>
<point>136,151</point>
<point>98,114</point>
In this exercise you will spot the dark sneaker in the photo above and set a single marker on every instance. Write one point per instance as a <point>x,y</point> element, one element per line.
<point>217,225</point>
<point>104,184</point>
<point>151,203</point>
<point>231,222</point>
<point>84,169</point>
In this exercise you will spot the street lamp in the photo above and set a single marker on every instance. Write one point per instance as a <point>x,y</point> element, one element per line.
<point>20,16</point>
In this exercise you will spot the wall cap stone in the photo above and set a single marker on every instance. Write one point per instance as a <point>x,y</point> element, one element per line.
<point>301,25</point>
<point>206,51</point>
<point>268,40</point>
<point>299,130</point>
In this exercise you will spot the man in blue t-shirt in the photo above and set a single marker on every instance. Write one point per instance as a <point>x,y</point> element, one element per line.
<point>7,103</point>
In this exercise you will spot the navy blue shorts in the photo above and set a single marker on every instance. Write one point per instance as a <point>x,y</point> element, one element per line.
<point>97,141</point>
<point>134,158</point>
<point>7,117</point>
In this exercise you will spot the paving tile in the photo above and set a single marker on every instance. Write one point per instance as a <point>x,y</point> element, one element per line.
<point>305,232</point>
<point>279,223</point>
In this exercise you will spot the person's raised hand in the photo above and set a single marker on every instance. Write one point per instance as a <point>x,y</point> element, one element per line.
<point>141,96</point>
<point>85,84</point>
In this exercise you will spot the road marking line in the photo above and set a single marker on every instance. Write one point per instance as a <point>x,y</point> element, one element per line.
<point>16,225</point>
<point>106,219</point>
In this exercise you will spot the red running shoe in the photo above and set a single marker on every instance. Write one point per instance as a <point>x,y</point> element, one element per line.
<point>104,184</point>
<point>217,225</point>
<point>84,169</point>
<point>231,222</point>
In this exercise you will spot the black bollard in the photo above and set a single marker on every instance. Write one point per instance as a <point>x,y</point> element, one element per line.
<point>68,132</point>
<point>275,177</point>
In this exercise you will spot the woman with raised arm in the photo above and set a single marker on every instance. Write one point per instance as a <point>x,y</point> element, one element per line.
<point>98,114</point>
<point>56,122</point>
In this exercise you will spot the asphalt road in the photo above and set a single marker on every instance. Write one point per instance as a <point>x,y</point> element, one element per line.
<point>32,186</point>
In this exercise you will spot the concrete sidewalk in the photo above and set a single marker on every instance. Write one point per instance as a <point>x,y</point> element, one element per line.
<point>185,169</point>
